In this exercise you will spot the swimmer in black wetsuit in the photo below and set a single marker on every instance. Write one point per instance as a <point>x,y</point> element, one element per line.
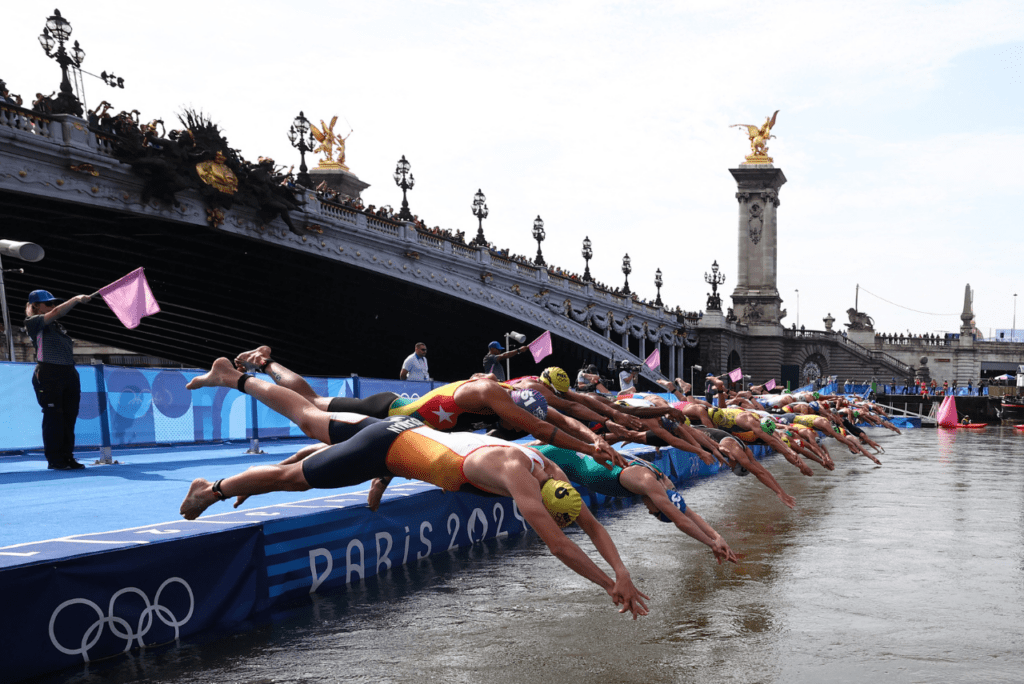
<point>462,404</point>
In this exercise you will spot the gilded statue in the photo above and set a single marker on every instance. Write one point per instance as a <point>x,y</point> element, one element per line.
<point>759,137</point>
<point>328,139</point>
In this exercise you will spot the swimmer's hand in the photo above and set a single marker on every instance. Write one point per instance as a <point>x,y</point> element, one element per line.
<point>624,434</point>
<point>631,422</point>
<point>624,594</point>
<point>607,456</point>
<point>723,552</point>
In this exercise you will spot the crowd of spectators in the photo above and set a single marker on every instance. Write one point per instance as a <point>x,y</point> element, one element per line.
<point>459,237</point>
<point>929,339</point>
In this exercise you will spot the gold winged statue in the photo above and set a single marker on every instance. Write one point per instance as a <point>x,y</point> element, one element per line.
<point>328,139</point>
<point>759,137</point>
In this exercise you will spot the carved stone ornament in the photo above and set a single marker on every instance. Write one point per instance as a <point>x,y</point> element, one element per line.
<point>770,196</point>
<point>753,313</point>
<point>755,222</point>
<point>859,320</point>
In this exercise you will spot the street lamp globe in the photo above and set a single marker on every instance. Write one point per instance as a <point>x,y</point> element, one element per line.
<point>58,26</point>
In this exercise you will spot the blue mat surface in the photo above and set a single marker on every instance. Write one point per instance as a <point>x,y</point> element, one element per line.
<point>146,488</point>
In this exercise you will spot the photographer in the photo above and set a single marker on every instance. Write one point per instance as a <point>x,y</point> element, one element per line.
<point>628,373</point>
<point>589,380</point>
<point>495,355</point>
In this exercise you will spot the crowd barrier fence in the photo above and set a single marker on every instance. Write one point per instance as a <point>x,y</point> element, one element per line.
<point>124,406</point>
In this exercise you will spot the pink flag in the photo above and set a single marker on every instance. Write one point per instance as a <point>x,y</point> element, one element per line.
<point>770,385</point>
<point>736,375</point>
<point>130,298</point>
<point>654,360</point>
<point>541,347</point>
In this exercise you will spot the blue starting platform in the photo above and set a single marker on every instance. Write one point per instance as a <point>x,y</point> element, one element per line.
<point>119,569</point>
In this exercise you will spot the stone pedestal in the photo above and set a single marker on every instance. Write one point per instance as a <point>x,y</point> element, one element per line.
<point>865,338</point>
<point>342,181</point>
<point>756,297</point>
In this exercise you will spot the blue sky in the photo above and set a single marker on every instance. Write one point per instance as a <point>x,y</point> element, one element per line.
<point>899,128</point>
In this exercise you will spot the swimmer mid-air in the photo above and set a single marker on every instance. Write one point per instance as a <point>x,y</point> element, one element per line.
<point>365,448</point>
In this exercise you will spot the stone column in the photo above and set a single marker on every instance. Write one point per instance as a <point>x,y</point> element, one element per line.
<point>756,297</point>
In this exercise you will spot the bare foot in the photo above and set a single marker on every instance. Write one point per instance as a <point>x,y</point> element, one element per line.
<point>200,497</point>
<point>222,374</point>
<point>667,385</point>
<point>684,387</point>
<point>252,360</point>
<point>377,488</point>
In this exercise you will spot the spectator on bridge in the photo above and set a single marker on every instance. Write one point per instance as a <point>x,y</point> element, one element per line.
<point>970,387</point>
<point>945,387</point>
<point>495,355</point>
<point>415,365</point>
<point>847,386</point>
<point>58,388</point>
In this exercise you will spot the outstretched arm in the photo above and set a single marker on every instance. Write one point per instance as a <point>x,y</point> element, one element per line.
<point>64,307</point>
<point>526,493</point>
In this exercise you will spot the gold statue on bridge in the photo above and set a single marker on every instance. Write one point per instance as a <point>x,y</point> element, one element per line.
<point>328,139</point>
<point>759,137</point>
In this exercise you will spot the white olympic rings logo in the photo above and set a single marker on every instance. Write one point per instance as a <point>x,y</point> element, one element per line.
<point>119,627</point>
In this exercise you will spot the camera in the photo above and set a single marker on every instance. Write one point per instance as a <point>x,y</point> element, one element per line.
<point>630,366</point>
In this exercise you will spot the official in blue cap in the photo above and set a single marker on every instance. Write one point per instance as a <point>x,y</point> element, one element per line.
<point>56,382</point>
<point>495,355</point>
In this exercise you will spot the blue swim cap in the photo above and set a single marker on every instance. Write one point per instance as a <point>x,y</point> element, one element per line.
<point>677,500</point>
<point>530,401</point>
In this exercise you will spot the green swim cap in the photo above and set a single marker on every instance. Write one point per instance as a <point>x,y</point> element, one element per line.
<point>768,425</point>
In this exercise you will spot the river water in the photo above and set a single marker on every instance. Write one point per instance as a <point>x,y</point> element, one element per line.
<point>909,572</point>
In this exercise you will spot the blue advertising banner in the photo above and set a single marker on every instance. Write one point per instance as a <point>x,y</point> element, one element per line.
<point>81,609</point>
<point>341,546</point>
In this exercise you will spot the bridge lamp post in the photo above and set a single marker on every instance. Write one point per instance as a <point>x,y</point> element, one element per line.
<point>480,211</point>
<point>588,254</point>
<point>539,235</point>
<point>693,368</point>
<point>26,251</point>
<point>405,180</point>
<point>658,282</point>
<point>1013,333</point>
<point>58,27</point>
<point>627,268</point>
<point>714,280</point>
<point>302,139</point>
<point>797,308</point>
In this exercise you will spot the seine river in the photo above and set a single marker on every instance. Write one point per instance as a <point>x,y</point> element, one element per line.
<point>909,572</point>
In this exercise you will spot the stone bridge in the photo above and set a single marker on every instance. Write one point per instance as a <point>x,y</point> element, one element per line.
<point>349,291</point>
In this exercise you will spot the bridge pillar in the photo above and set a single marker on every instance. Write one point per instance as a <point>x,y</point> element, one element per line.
<point>756,297</point>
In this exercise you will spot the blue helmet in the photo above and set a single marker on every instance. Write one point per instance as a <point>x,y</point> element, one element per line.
<point>530,401</point>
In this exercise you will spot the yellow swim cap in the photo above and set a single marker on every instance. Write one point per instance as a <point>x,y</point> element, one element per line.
<point>555,378</point>
<point>562,501</point>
